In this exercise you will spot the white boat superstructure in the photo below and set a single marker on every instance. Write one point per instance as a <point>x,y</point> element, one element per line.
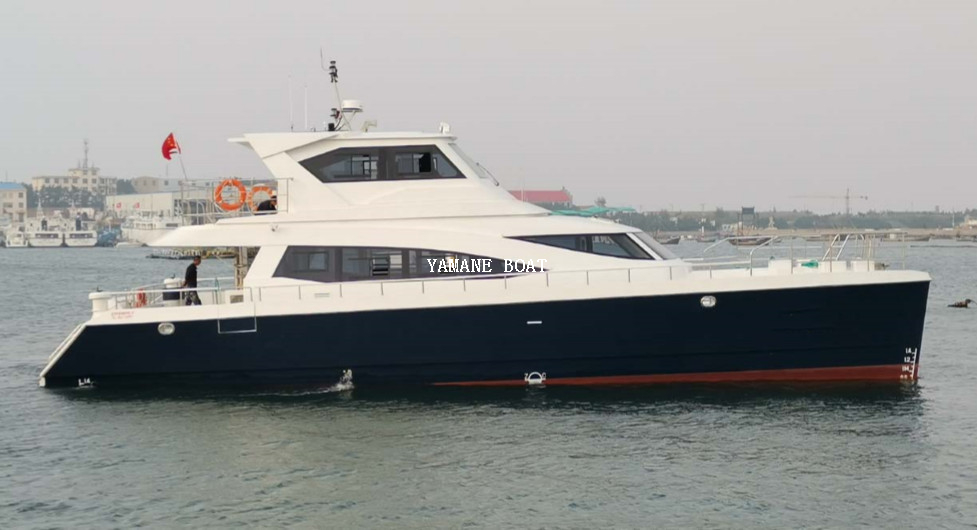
<point>15,239</point>
<point>44,233</point>
<point>80,238</point>
<point>144,230</point>
<point>45,239</point>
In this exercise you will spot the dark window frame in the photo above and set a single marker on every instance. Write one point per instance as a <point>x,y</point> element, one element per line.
<point>585,243</point>
<point>387,167</point>
<point>413,264</point>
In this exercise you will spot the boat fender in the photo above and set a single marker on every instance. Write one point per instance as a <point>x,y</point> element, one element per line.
<point>230,206</point>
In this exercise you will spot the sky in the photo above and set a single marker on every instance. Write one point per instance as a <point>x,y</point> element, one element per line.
<point>653,104</point>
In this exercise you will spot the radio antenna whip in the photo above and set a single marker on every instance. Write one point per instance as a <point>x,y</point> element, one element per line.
<point>339,116</point>
<point>291,107</point>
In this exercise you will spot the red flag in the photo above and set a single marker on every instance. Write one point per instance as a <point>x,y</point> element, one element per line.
<point>170,146</point>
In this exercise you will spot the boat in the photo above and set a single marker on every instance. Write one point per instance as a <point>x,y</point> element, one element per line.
<point>15,239</point>
<point>41,233</point>
<point>146,229</point>
<point>79,233</point>
<point>80,238</point>
<point>674,240</point>
<point>45,239</point>
<point>395,259</point>
<point>749,241</point>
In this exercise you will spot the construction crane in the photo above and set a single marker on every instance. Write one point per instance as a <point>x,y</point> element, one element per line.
<point>847,197</point>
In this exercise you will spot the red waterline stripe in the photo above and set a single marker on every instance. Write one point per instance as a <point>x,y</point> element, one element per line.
<point>884,372</point>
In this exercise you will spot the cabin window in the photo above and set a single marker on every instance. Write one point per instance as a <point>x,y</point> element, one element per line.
<point>350,264</point>
<point>616,245</point>
<point>345,165</point>
<point>384,163</point>
<point>308,263</point>
<point>426,162</point>
<point>654,245</point>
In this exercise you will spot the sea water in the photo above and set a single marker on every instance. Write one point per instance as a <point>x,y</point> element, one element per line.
<point>694,456</point>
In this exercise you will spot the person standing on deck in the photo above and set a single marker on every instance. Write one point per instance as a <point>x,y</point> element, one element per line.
<point>190,282</point>
<point>271,205</point>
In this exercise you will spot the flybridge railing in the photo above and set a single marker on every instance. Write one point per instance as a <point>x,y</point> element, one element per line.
<point>159,294</point>
<point>210,200</point>
<point>222,291</point>
<point>837,247</point>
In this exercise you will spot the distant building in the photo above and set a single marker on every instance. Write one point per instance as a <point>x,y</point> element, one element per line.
<point>161,204</point>
<point>84,176</point>
<point>556,198</point>
<point>155,184</point>
<point>13,201</point>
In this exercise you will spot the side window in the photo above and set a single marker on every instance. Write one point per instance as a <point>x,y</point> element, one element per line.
<point>312,261</point>
<point>348,264</point>
<point>386,163</point>
<point>429,162</point>
<point>567,242</point>
<point>308,263</point>
<point>345,165</point>
<point>619,245</point>
<point>606,246</point>
<point>368,263</point>
<point>616,245</point>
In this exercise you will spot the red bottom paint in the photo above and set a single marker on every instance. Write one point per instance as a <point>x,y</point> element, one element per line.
<point>885,372</point>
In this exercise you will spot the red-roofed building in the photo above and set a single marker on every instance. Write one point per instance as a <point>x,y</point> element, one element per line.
<point>558,198</point>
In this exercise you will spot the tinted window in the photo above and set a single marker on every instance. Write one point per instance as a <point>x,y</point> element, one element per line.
<point>308,263</point>
<point>654,245</point>
<point>617,245</point>
<point>330,264</point>
<point>387,163</point>
<point>345,165</point>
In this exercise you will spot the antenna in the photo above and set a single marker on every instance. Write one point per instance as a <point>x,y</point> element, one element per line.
<point>85,163</point>
<point>306,107</point>
<point>291,108</point>
<point>338,114</point>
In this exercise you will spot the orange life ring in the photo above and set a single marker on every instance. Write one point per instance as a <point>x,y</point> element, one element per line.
<point>230,206</point>
<point>140,298</point>
<point>254,191</point>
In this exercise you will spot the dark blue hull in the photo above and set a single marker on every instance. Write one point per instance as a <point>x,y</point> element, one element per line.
<point>825,333</point>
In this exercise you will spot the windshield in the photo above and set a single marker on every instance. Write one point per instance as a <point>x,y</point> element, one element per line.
<point>476,167</point>
<point>655,246</point>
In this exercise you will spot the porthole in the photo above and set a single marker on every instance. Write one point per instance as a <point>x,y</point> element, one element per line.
<point>708,302</point>
<point>166,328</point>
